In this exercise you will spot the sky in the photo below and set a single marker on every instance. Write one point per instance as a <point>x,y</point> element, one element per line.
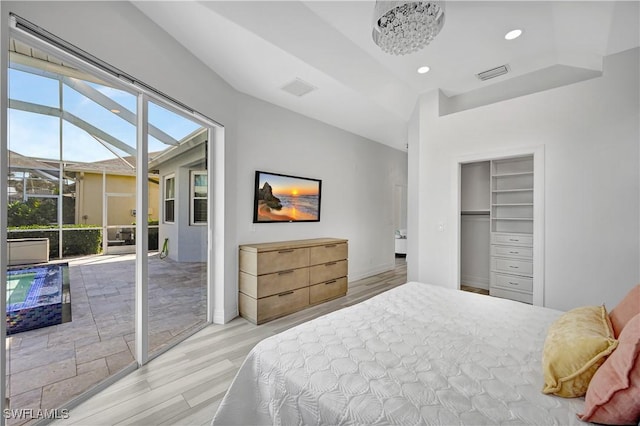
<point>37,135</point>
<point>285,185</point>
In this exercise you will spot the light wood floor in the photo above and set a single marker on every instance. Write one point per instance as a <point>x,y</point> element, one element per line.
<point>186,384</point>
<point>472,289</point>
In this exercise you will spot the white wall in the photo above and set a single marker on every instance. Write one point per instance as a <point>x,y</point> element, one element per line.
<point>358,180</point>
<point>590,132</point>
<point>474,186</point>
<point>358,175</point>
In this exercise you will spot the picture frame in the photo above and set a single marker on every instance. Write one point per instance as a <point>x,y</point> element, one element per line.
<point>286,198</point>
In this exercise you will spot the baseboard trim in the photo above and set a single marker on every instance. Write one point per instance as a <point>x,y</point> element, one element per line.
<point>374,271</point>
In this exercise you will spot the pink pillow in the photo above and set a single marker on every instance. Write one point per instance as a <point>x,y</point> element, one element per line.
<point>625,310</point>
<point>613,396</point>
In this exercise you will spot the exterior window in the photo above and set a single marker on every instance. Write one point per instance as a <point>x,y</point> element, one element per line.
<point>169,198</point>
<point>198,197</point>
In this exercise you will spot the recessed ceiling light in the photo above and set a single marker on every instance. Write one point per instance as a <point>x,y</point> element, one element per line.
<point>115,111</point>
<point>423,70</point>
<point>513,34</point>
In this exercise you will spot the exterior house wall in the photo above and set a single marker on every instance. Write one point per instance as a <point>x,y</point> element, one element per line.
<point>90,199</point>
<point>187,243</point>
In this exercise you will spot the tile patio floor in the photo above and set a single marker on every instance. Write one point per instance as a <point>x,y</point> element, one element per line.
<point>52,365</point>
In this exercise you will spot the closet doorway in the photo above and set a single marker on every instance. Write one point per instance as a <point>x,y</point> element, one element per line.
<point>499,239</point>
<point>475,227</point>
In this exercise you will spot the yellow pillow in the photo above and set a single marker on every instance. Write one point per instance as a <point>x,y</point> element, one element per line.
<point>577,344</point>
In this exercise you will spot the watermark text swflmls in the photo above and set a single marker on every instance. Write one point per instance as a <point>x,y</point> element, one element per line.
<point>35,414</point>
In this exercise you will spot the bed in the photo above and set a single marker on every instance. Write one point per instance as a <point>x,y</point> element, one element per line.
<point>416,354</point>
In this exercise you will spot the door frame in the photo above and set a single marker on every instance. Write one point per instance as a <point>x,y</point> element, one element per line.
<point>538,210</point>
<point>106,226</point>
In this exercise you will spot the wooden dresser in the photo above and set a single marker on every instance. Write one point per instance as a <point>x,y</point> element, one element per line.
<point>280,278</point>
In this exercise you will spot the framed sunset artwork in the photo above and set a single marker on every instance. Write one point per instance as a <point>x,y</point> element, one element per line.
<point>284,198</point>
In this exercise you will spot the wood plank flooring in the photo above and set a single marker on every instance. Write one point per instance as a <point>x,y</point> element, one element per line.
<point>186,384</point>
<point>472,289</point>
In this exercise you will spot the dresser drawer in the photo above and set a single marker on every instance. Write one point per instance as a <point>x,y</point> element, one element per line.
<point>327,271</point>
<point>512,239</point>
<point>512,266</point>
<point>282,304</point>
<point>281,260</point>
<point>269,284</point>
<point>512,251</point>
<point>327,290</point>
<point>512,282</point>
<point>327,253</point>
<point>513,295</point>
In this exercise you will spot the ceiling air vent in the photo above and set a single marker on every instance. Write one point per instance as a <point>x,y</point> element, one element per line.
<point>493,73</point>
<point>298,87</point>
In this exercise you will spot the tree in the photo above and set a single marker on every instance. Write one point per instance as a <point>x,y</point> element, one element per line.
<point>35,211</point>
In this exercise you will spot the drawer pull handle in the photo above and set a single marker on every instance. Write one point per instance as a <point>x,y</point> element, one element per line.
<point>286,293</point>
<point>514,252</point>
<point>513,283</point>
<point>330,246</point>
<point>290,271</point>
<point>285,251</point>
<point>513,267</point>
<point>330,282</point>
<point>330,264</point>
<point>514,239</point>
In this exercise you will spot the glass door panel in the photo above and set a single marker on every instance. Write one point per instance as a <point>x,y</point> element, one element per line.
<point>70,309</point>
<point>177,227</point>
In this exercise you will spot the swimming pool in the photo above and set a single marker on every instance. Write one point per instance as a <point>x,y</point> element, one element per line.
<point>35,297</point>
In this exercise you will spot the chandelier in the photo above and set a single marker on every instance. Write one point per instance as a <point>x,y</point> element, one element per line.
<point>401,27</point>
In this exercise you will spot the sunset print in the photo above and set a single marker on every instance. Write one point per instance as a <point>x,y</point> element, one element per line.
<point>282,198</point>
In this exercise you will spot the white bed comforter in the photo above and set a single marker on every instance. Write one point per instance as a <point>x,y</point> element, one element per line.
<point>417,354</point>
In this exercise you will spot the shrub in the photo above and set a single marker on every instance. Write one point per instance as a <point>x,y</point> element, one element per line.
<point>74,242</point>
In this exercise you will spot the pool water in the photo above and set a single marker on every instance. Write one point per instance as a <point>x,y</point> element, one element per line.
<point>18,286</point>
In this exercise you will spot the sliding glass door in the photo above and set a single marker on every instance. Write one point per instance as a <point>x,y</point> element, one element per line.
<point>72,185</point>
<point>108,233</point>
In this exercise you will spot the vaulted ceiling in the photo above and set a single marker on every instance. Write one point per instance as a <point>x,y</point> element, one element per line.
<point>260,46</point>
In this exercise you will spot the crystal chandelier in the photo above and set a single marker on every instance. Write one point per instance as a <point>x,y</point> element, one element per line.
<point>401,27</point>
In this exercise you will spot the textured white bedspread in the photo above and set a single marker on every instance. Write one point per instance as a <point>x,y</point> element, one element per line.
<point>417,354</point>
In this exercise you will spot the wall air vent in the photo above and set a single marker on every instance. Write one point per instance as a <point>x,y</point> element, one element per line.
<point>493,73</point>
<point>298,87</point>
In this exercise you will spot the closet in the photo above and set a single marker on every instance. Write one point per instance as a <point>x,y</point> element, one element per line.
<point>475,225</point>
<point>496,227</point>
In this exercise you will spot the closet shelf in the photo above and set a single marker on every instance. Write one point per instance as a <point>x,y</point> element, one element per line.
<point>512,204</point>
<point>475,212</point>
<point>512,218</point>
<point>512,190</point>
<point>500,175</point>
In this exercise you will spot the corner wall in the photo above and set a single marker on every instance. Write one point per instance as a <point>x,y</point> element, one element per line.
<point>590,132</point>
<point>358,180</point>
